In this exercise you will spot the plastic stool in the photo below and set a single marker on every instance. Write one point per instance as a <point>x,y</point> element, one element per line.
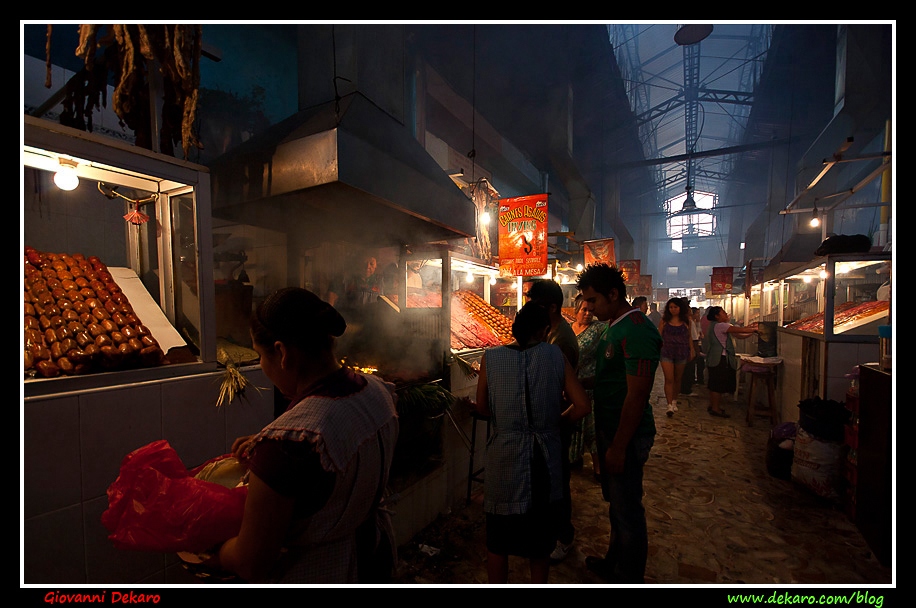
<point>769,377</point>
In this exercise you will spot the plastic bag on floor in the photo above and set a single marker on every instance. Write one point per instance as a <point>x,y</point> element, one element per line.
<point>156,504</point>
<point>818,465</point>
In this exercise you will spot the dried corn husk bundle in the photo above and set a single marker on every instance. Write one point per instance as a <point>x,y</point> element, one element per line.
<point>233,383</point>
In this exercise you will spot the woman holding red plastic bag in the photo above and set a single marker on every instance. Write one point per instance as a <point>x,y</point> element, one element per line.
<point>318,471</point>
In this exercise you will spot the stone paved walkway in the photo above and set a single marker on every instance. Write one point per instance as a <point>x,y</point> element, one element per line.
<point>715,516</point>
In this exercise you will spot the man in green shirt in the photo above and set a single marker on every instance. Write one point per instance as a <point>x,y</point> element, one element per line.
<point>627,358</point>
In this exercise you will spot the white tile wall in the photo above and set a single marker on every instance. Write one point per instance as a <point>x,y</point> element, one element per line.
<point>73,447</point>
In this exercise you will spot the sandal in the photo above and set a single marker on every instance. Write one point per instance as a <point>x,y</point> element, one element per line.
<point>712,412</point>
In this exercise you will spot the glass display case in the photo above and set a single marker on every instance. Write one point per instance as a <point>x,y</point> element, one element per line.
<point>840,297</point>
<point>454,305</point>
<point>131,236</point>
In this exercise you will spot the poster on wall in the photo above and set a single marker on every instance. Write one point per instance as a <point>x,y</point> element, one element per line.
<point>722,279</point>
<point>523,236</point>
<point>599,251</point>
<point>630,270</point>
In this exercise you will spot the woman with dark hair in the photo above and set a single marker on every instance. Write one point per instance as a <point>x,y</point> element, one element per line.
<point>316,472</point>
<point>588,330</point>
<point>721,361</point>
<point>521,388</point>
<point>677,348</point>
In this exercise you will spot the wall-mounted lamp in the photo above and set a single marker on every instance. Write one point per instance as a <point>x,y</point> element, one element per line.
<point>66,178</point>
<point>485,218</point>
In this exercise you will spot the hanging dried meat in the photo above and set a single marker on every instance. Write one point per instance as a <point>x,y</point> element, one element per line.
<point>78,321</point>
<point>126,53</point>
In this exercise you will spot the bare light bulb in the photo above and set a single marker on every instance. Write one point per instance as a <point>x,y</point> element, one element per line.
<point>66,178</point>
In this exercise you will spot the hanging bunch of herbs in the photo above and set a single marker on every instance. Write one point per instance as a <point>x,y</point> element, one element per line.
<point>430,400</point>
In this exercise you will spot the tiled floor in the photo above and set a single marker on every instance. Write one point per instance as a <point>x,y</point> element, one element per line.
<point>715,516</point>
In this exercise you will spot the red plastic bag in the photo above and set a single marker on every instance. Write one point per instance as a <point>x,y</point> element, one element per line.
<point>155,504</point>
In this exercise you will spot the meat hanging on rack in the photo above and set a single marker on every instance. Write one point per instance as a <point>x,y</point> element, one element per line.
<point>126,53</point>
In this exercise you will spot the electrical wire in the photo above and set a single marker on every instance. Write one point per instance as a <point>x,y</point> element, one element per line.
<point>113,193</point>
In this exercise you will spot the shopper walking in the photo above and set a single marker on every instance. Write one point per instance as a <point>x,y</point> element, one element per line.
<point>627,358</point>
<point>721,361</point>
<point>521,388</point>
<point>677,349</point>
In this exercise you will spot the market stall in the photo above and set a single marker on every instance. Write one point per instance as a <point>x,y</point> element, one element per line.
<point>827,314</point>
<point>119,346</point>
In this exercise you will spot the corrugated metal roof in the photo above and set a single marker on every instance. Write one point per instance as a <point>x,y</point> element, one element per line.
<point>692,98</point>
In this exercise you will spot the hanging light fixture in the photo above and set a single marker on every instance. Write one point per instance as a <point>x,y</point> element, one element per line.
<point>692,33</point>
<point>690,205</point>
<point>815,218</point>
<point>66,178</point>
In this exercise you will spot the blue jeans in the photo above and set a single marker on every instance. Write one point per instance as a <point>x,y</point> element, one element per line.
<point>629,544</point>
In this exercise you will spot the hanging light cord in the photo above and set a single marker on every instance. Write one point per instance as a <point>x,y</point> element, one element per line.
<point>473,153</point>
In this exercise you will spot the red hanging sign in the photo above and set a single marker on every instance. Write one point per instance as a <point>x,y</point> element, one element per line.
<point>600,251</point>
<point>630,270</point>
<point>722,279</point>
<point>523,236</point>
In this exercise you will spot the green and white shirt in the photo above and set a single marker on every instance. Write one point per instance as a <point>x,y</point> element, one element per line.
<point>631,345</point>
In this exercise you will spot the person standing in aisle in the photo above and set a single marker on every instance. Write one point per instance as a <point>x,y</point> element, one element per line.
<point>628,355</point>
<point>677,348</point>
<point>642,303</point>
<point>698,315</point>
<point>549,294</point>
<point>692,369</point>
<point>588,330</point>
<point>721,361</point>
<point>521,388</point>
<point>654,315</point>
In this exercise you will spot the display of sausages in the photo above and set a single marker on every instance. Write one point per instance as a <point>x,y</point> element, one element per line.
<point>474,322</point>
<point>78,321</point>
<point>483,314</point>
<point>844,314</point>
